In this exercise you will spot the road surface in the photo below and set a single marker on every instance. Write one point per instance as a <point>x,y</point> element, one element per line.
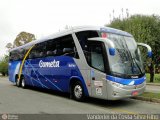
<point>14,100</point>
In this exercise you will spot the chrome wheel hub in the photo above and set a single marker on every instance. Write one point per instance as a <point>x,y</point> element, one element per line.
<point>78,91</point>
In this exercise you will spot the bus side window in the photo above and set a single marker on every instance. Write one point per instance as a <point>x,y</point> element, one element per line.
<point>21,54</point>
<point>96,56</point>
<point>16,55</point>
<point>11,56</point>
<point>82,37</point>
<point>51,47</point>
<point>38,51</point>
<point>67,46</point>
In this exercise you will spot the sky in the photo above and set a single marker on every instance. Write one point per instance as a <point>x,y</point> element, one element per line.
<point>45,17</point>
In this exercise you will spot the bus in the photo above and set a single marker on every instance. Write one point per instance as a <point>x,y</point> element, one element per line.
<point>86,61</point>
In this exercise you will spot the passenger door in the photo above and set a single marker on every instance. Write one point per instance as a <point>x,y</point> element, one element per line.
<point>97,72</point>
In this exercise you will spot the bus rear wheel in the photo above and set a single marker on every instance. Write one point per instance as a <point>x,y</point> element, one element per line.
<point>77,91</point>
<point>23,84</point>
<point>18,82</point>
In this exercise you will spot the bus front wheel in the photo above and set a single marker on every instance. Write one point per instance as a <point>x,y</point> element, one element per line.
<point>77,91</point>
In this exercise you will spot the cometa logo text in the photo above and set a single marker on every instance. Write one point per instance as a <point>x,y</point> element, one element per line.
<point>53,63</point>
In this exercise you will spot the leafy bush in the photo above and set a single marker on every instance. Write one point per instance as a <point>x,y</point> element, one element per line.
<point>4,66</point>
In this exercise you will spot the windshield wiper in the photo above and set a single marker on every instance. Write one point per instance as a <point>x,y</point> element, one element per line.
<point>132,59</point>
<point>137,65</point>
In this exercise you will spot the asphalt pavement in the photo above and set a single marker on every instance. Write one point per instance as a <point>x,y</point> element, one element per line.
<point>14,100</point>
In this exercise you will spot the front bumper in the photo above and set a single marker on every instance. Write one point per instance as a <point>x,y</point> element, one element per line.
<point>116,92</point>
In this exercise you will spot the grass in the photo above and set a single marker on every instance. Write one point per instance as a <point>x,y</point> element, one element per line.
<point>156,78</point>
<point>151,95</point>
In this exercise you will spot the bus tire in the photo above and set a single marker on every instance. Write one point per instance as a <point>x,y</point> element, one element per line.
<point>18,82</point>
<point>78,91</point>
<point>23,84</point>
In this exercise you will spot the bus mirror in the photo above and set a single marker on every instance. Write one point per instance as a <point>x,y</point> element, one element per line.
<point>149,54</point>
<point>112,51</point>
<point>108,42</point>
<point>111,47</point>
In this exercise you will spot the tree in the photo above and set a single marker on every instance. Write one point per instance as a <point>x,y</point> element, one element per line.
<point>4,65</point>
<point>23,38</point>
<point>145,29</point>
<point>9,46</point>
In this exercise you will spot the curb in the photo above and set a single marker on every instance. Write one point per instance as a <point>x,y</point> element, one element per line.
<point>154,84</point>
<point>4,77</point>
<point>147,99</point>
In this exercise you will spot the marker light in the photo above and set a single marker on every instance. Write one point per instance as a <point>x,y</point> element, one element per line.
<point>104,35</point>
<point>115,84</point>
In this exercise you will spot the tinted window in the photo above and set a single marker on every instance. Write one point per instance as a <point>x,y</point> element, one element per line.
<point>95,56</point>
<point>83,37</point>
<point>51,47</point>
<point>66,46</point>
<point>17,55</point>
<point>55,47</point>
<point>38,51</point>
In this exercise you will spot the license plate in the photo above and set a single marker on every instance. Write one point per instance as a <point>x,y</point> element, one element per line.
<point>134,93</point>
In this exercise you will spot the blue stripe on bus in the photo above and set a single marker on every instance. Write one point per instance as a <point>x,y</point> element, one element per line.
<point>51,77</point>
<point>126,81</point>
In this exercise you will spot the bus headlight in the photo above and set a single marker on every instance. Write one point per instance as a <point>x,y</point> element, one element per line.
<point>115,84</point>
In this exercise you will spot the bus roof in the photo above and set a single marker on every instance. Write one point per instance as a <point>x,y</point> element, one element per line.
<point>75,29</point>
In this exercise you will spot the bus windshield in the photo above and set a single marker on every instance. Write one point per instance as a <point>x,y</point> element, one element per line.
<point>127,60</point>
